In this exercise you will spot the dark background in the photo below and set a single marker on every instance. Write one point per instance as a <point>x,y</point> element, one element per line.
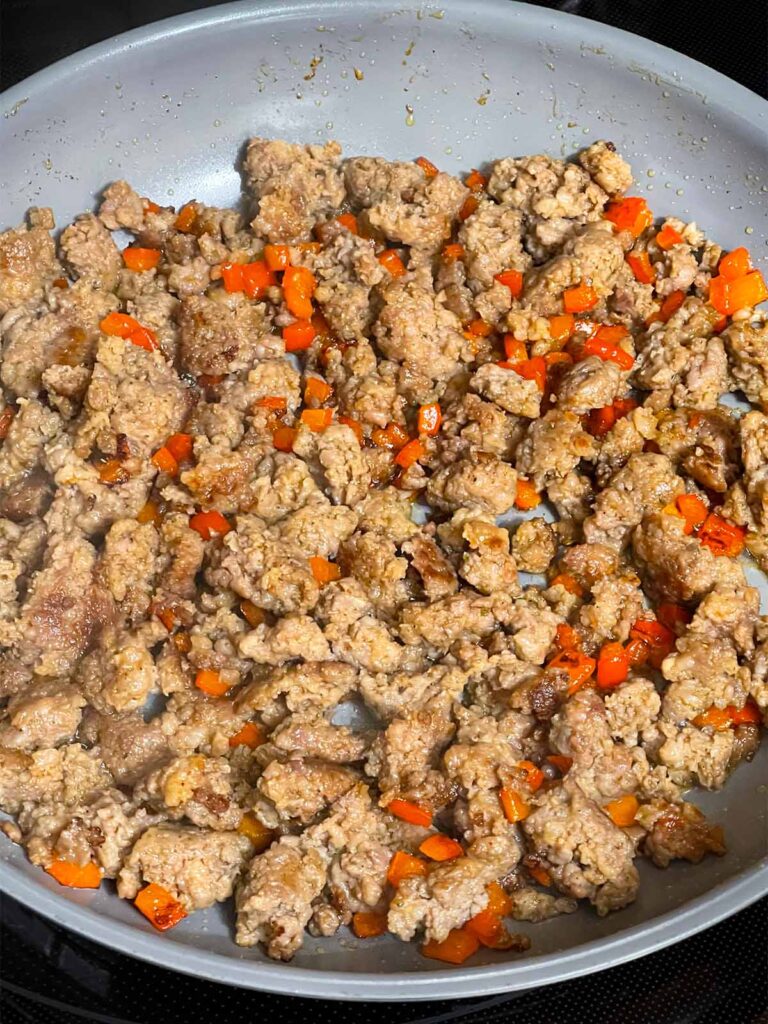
<point>730,35</point>
<point>49,976</point>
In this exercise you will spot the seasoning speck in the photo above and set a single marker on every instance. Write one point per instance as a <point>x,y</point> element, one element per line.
<point>410,120</point>
<point>358,74</point>
<point>313,66</point>
<point>651,173</point>
<point>438,15</point>
<point>749,231</point>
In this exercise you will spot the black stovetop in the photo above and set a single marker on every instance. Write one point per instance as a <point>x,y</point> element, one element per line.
<point>51,976</point>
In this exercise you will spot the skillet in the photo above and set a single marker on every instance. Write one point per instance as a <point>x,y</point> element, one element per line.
<point>169,105</point>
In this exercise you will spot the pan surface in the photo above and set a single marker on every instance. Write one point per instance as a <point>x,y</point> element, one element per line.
<point>169,106</point>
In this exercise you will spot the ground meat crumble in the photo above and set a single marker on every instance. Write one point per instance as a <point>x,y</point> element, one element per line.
<point>277,469</point>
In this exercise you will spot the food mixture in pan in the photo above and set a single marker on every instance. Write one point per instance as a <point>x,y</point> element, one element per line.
<point>261,633</point>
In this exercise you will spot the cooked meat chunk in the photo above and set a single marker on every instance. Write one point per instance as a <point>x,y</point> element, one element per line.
<point>453,892</point>
<point>197,867</point>
<point>586,854</point>
<point>678,832</point>
<point>534,545</point>
<point>480,482</point>
<point>590,384</point>
<point>27,263</point>
<point>88,250</point>
<point>646,483</point>
<point>195,787</point>
<point>678,567</point>
<point>508,389</point>
<point>217,337</point>
<point>43,715</point>
<point>294,185</point>
<point>553,446</point>
<point>414,328</point>
<point>402,203</point>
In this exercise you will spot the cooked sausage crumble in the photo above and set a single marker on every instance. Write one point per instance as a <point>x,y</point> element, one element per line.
<point>263,634</point>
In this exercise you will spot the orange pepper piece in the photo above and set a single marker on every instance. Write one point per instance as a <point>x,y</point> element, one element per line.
<point>440,848</point>
<point>6,419</point>
<point>489,929</point>
<point>209,523</point>
<point>410,453</point>
<point>748,715</point>
<point>316,389</point>
<point>113,472</point>
<point>210,682</point>
<point>499,901</point>
<point>298,288</point>
<point>526,495</point>
<point>165,462</point>
<point>623,811</point>
<point>367,924</point>
<point>185,220</point>
<point>232,276</point>
<point>455,949</point>
<point>565,580</point>
<point>468,207</point>
<point>539,874</point>
<point>299,335</point>
<point>578,666</point>
<point>139,259</point>
<point>561,762</point>
<point>252,614</point>
<point>427,166</point>
<point>736,263</point>
<point>641,266</point>
<point>452,252</point>
<point>511,279</point>
<point>532,369</point>
<point>514,350</point>
<point>180,446</point>
<point>349,221</point>
<point>277,403</point>
<point>475,181</point>
<point>249,736</point>
<point>513,805</point>
<point>715,718</point>
<point>405,865</point>
<point>323,570</point>
<point>612,666</point>
<point>259,835</point>
<point>256,278</point>
<point>534,776</point>
<point>277,257</point>
<point>668,237</point>
<point>283,438</point>
<point>75,876</point>
<point>148,513</point>
<point>629,214</point>
<point>429,419</point>
<point>390,260</point>
<point>410,812</point>
<point>561,327</point>
<point>729,296</point>
<point>721,537</point>
<point>580,299</point>
<point>317,419</point>
<point>159,907</point>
